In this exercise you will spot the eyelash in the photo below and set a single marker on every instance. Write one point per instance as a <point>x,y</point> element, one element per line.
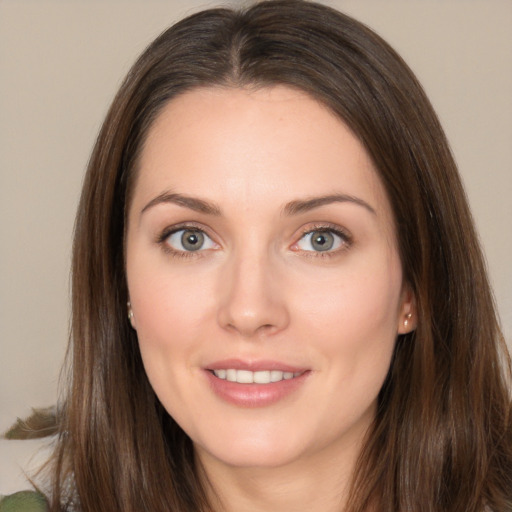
<point>345,236</point>
<point>346,240</point>
<point>166,233</point>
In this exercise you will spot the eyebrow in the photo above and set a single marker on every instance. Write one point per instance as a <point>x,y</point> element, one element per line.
<point>305,205</point>
<point>295,207</point>
<point>192,203</point>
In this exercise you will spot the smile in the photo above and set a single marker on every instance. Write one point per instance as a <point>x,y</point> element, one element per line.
<point>258,377</point>
<point>251,384</point>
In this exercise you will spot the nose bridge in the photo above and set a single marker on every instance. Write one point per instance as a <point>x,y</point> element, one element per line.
<point>252,302</point>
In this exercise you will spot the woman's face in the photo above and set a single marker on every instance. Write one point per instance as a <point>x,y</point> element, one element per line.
<point>264,275</point>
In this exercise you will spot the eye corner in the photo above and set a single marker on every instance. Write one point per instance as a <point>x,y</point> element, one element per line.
<point>174,240</point>
<point>322,240</point>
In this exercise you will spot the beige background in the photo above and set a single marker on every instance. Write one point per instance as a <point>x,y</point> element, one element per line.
<point>62,61</point>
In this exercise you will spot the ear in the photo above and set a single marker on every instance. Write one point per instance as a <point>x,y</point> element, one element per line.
<point>131,316</point>
<point>407,314</point>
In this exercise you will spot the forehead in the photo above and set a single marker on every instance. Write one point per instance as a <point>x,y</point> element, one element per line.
<point>266,144</point>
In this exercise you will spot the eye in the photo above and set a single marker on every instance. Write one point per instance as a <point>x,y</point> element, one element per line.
<point>322,240</point>
<point>189,240</point>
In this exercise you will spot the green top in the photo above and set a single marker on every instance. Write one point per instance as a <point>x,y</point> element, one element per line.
<point>23,501</point>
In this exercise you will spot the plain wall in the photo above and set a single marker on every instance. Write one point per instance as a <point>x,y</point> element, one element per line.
<point>60,65</point>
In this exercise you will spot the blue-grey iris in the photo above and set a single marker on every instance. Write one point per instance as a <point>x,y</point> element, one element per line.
<point>322,240</point>
<point>192,240</point>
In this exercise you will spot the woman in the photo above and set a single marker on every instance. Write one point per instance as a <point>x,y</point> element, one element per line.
<point>279,301</point>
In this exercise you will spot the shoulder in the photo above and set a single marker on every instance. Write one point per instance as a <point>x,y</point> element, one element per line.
<point>23,501</point>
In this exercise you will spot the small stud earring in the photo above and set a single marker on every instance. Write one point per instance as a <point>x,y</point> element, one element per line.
<point>407,318</point>
<point>130,311</point>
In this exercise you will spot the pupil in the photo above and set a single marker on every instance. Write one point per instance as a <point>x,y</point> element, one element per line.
<point>322,241</point>
<point>192,240</point>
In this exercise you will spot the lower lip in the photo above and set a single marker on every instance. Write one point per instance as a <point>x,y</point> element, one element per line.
<point>254,395</point>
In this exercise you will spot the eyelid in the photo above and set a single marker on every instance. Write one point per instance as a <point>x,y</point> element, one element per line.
<point>164,235</point>
<point>344,234</point>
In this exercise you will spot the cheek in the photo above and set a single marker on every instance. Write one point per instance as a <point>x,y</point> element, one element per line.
<point>170,313</point>
<point>168,320</point>
<point>173,312</point>
<point>165,305</point>
<point>165,294</point>
<point>353,315</point>
<point>353,326</point>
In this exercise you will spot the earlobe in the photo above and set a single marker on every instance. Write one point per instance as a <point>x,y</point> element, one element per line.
<point>407,322</point>
<point>131,318</point>
<point>407,319</point>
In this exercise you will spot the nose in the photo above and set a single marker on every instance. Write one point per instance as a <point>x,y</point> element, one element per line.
<point>252,299</point>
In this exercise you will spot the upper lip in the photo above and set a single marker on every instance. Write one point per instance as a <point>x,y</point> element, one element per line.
<point>253,366</point>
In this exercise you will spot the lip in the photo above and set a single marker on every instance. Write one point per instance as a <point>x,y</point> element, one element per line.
<point>254,366</point>
<point>254,395</point>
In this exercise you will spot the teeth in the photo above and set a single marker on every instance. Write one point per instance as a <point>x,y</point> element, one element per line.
<point>261,377</point>
<point>221,374</point>
<point>244,377</point>
<point>248,377</point>
<point>276,376</point>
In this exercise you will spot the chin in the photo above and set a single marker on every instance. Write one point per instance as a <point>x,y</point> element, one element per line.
<point>252,451</point>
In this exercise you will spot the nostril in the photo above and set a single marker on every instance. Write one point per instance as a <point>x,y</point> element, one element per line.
<point>251,306</point>
<point>267,327</point>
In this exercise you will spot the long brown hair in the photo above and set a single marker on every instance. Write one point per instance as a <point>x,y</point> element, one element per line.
<point>442,437</point>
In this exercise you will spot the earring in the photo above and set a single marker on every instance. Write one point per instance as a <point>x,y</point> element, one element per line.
<point>130,312</point>
<point>407,318</point>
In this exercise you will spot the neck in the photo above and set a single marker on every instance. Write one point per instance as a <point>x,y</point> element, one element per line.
<point>319,482</point>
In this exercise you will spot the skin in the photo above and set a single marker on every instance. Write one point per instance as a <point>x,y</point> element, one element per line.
<point>259,290</point>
